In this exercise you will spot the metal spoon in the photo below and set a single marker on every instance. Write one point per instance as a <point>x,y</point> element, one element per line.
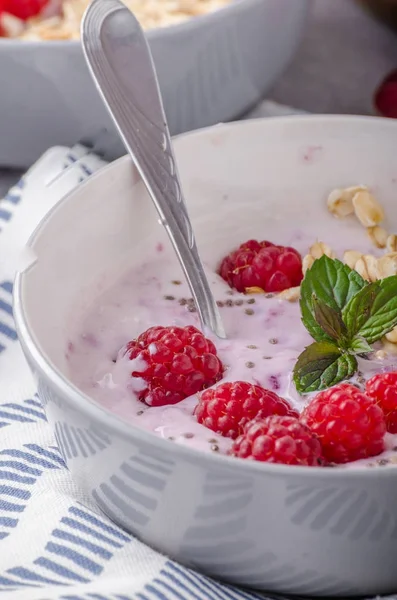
<point>121,65</point>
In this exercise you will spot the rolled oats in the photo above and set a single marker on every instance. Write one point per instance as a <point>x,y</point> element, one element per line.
<point>351,257</point>
<point>368,210</point>
<point>64,19</point>
<point>254,290</point>
<point>388,347</point>
<point>291,294</point>
<point>13,26</point>
<point>378,236</point>
<point>318,249</point>
<point>392,336</point>
<point>307,262</point>
<point>387,265</point>
<point>367,267</point>
<point>391,243</point>
<point>340,201</point>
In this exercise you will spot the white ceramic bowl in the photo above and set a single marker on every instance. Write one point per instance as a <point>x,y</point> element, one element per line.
<point>211,69</point>
<point>287,529</point>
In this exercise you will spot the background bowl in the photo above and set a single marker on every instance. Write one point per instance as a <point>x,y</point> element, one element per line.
<point>211,69</point>
<point>287,529</point>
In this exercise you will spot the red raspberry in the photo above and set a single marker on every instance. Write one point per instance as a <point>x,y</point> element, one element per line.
<point>278,440</point>
<point>385,99</point>
<point>24,9</point>
<point>383,389</point>
<point>264,265</point>
<point>227,408</point>
<point>2,29</point>
<point>347,422</point>
<point>175,362</point>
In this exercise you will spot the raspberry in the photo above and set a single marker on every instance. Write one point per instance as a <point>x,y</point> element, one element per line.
<point>262,265</point>
<point>385,99</point>
<point>227,408</point>
<point>175,362</point>
<point>347,422</point>
<point>383,389</point>
<point>278,440</point>
<point>24,9</point>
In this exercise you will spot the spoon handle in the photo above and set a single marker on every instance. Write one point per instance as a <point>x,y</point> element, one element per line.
<point>121,64</point>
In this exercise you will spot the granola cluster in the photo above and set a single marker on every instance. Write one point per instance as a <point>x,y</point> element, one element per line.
<point>359,201</point>
<point>61,20</point>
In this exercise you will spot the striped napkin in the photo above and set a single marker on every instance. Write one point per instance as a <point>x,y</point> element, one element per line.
<point>54,541</point>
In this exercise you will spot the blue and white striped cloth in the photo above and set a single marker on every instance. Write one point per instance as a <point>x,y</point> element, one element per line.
<point>54,542</point>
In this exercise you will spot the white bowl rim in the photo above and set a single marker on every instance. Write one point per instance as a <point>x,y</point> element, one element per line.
<point>163,32</point>
<point>82,402</point>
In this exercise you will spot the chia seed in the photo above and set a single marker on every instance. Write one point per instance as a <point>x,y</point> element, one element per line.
<point>171,439</point>
<point>230,292</point>
<point>213,440</point>
<point>192,309</point>
<point>250,365</point>
<point>113,360</point>
<point>382,462</point>
<point>220,303</point>
<point>140,412</point>
<point>229,303</point>
<point>267,357</point>
<point>239,302</point>
<point>188,436</point>
<point>270,295</point>
<point>182,301</point>
<point>169,298</point>
<point>252,347</point>
<point>251,301</point>
<point>273,341</point>
<point>394,449</point>
<point>176,282</point>
<point>215,448</point>
<point>249,311</point>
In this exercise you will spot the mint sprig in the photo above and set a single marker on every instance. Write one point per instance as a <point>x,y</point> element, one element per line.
<point>331,282</point>
<point>345,315</point>
<point>329,319</point>
<point>321,365</point>
<point>373,311</point>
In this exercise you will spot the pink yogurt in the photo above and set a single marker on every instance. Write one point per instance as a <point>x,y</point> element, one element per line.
<point>265,337</point>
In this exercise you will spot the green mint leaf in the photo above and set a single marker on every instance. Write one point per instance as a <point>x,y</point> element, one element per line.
<point>329,319</point>
<point>322,365</point>
<point>359,345</point>
<point>380,310</point>
<point>331,282</point>
<point>358,310</point>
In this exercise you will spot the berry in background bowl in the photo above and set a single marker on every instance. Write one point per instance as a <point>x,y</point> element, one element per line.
<point>279,471</point>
